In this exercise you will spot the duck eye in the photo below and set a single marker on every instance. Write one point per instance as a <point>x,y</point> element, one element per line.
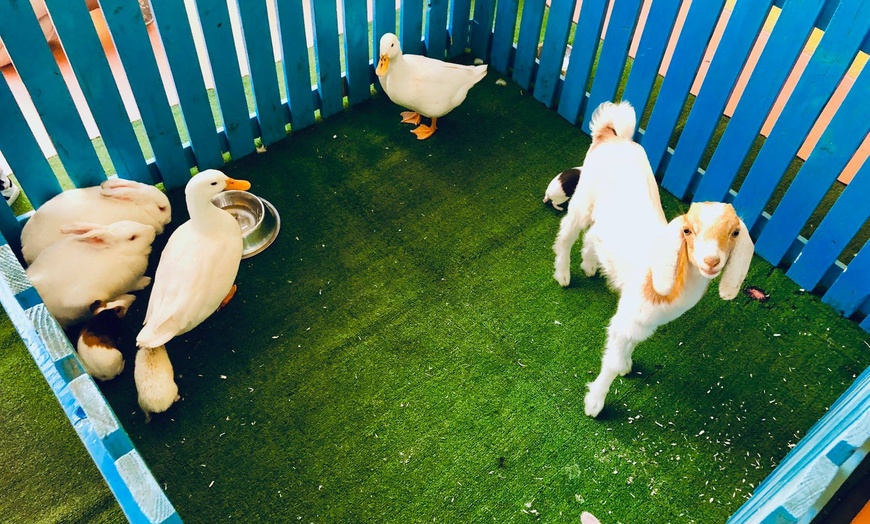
<point>687,231</point>
<point>214,183</point>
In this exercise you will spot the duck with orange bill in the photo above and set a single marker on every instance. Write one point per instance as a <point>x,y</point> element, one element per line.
<point>429,87</point>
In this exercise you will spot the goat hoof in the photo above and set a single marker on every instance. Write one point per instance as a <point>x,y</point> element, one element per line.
<point>588,271</point>
<point>563,278</point>
<point>594,404</point>
<point>626,369</point>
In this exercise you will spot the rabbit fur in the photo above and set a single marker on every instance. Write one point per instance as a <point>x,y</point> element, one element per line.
<point>97,342</point>
<point>660,269</point>
<point>114,200</point>
<point>91,263</point>
<point>155,381</point>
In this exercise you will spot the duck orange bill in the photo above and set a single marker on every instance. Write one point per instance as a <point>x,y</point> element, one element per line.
<point>243,185</point>
<point>383,63</point>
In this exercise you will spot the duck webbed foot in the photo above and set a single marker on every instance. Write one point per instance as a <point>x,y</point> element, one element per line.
<point>229,297</point>
<point>410,117</point>
<point>423,131</point>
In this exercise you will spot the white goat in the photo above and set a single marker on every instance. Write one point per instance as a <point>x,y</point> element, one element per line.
<point>660,269</point>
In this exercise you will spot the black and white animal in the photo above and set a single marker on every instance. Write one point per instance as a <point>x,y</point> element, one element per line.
<point>97,345</point>
<point>562,187</point>
<point>660,269</point>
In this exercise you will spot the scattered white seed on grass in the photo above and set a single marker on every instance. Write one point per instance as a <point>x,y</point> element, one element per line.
<point>521,364</point>
<point>478,61</point>
<point>275,336</point>
<point>211,484</point>
<point>501,82</point>
<point>557,322</point>
<point>224,377</point>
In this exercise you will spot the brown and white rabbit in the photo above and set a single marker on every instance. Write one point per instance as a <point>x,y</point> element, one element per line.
<point>113,201</point>
<point>98,340</point>
<point>91,263</point>
<point>562,187</point>
<point>155,381</point>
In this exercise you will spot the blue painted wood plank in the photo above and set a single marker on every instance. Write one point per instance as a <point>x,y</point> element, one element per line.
<point>264,75</point>
<point>214,17</point>
<point>411,27</point>
<point>650,53</point>
<point>75,28</point>
<point>728,61</point>
<point>436,29</point>
<point>460,25</point>
<point>837,229</point>
<point>788,484</point>
<point>527,43</point>
<point>297,72</point>
<point>384,21</point>
<point>586,40</point>
<point>481,28</point>
<point>175,33</point>
<point>23,153</point>
<point>774,65</point>
<point>865,324</point>
<point>834,150</point>
<point>134,47</point>
<point>503,35</point>
<point>327,56</point>
<point>356,52</point>
<point>853,287</point>
<point>553,51</point>
<point>681,72</point>
<point>829,62</point>
<point>38,70</point>
<point>614,53</point>
<point>10,228</point>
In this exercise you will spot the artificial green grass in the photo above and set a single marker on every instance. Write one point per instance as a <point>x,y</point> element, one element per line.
<point>402,353</point>
<point>47,475</point>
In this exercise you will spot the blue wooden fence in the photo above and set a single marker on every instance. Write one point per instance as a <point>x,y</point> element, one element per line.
<point>329,63</point>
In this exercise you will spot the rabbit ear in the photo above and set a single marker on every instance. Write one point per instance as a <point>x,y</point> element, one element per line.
<point>588,518</point>
<point>119,189</point>
<point>96,237</point>
<point>114,183</point>
<point>121,304</point>
<point>737,265</point>
<point>666,254</point>
<point>78,228</point>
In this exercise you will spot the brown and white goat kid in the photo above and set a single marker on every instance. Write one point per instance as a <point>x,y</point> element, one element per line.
<point>660,269</point>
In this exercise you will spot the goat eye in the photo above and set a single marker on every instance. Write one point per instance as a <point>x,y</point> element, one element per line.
<point>735,233</point>
<point>687,231</point>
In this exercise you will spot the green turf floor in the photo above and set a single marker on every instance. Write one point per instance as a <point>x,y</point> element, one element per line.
<point>403,354</point>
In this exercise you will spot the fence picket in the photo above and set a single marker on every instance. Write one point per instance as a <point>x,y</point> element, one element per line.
<point>691,45</point>
<point>411,27</point>
<point>834,150</point>
<point>614,53</point>
<point>553,51</point>
<point>586,40</point>
<point>503,35</point>
<point>650,52</point>
<point>853,287</point>
<point>327,56</point>
<point>783,47</point>
<point>175,33</point>
<point>356,52</point>
<point>459,27</point>
<point>829,63</point>
<point>297,72</point>
<point>836,230</point>
<point>38,70</point>
<point>264,74</point>
<point>527,43</point>
<point>731,54</point>
<point>74,26</point>
<point>24,155</point>
<point>481,27</point>
<point>215,19</point>
<point>436,29</point>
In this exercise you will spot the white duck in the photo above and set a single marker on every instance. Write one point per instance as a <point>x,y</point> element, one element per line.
<point>198,266</point>
<point>429,87</point>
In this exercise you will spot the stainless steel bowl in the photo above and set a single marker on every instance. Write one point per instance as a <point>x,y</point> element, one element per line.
<point>258,219</point>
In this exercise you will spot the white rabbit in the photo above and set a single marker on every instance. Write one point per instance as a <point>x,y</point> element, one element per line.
<point>155,381</point>
<point>114,200</point>
<point>92,263</point>
<point>97,343</point>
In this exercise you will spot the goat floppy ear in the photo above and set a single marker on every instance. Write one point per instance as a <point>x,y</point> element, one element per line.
<point>737,265</point>
<point>666,255</point>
